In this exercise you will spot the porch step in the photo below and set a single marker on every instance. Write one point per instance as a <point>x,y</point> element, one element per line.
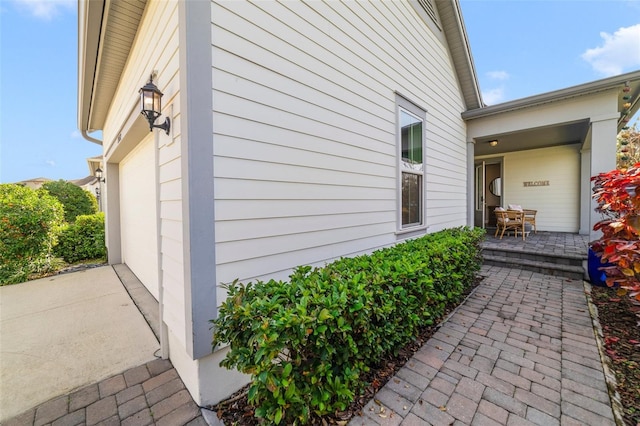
<point>563,265</point>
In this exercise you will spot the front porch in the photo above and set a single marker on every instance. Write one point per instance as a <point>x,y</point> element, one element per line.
<point>552,253</point>
<point>540,152</point>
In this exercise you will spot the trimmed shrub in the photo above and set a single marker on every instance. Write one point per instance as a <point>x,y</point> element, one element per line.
<point>83,239</point>
<point>29,223</point>
<point>76,201</point>
<point>306,342</point>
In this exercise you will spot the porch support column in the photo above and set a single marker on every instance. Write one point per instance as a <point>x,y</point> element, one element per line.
<point>471,149</point>
<point>604,130</point>
<point>585,191</point>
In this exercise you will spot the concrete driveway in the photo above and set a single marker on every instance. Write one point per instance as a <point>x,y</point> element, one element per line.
<point>60,333</point>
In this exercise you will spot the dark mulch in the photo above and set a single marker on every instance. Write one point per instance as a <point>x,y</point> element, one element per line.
<point>237,411</point>
<point>620,321</point>
<point>80,267</point>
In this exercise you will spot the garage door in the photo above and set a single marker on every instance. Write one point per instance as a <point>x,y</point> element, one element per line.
<point>138,214</point>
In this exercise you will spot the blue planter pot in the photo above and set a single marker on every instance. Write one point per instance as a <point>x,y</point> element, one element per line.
<point>597,278</point>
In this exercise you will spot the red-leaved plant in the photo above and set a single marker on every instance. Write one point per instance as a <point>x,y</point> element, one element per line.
<point>618,195</point>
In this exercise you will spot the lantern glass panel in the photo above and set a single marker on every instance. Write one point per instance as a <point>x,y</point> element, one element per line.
<point>156,101</point>
<point>146,100</point>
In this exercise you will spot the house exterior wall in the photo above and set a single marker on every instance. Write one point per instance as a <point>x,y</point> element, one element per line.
<point>305,150</point>
<point>160,155</point>
<point>303,142</point>
<point>558,204</point>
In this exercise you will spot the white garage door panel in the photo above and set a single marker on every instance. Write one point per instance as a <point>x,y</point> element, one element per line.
<point>138,214</point>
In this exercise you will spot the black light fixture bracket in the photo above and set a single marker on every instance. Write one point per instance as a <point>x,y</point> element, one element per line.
<point>166,126</point>
<point>150,105</point>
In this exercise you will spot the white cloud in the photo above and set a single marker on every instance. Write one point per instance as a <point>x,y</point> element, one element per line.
<point>498,75</point>
<point>50,163</point>
<point>45,9</point>
<point>75,134</point>
<point>493,96</point>
<point>619,52</point>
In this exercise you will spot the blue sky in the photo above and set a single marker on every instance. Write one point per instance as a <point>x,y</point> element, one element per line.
<point>38,71</point>
<point>520,48</point>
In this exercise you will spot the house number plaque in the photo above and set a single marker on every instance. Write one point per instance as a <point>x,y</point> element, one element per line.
<point>536,183</point>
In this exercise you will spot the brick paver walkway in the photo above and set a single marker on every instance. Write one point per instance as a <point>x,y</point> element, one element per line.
<point>520,351</point>
<point>145,395</point>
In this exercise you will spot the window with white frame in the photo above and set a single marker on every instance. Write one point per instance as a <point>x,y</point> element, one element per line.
<point>411,165</point>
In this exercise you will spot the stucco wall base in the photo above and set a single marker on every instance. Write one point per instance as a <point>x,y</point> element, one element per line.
<point>207,382</point>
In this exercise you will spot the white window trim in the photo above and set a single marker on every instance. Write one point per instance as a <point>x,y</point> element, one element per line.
<point>403,105</point>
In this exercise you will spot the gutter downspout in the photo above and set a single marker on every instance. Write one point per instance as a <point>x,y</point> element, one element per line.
<point>164,335</point>
<point>89,138</point>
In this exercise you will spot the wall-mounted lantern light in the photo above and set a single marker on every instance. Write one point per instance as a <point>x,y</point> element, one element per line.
<point>98,175</point>
<point>493,142</point>
<point>151,106</point>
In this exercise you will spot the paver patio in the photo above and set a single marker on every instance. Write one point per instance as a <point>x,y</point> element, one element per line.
<point>520,351</point>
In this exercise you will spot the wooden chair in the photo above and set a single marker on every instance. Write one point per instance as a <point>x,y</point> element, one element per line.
<point>507,220</point>
<point>530,217</point>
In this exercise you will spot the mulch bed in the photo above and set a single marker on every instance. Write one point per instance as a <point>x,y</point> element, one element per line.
<point>620,321</point>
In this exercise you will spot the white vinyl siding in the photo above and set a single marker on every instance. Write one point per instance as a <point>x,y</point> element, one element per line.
<point>152,50</point>
<point>558,204</point>
<point>155,50</point>
<point>305,150</point>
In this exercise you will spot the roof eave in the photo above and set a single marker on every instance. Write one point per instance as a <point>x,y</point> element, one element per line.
<point>106,32</point>
<point>557,95</point>
<point>89,28</point>
<point>456,35</point>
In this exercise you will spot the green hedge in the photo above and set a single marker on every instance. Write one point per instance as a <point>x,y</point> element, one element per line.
<point>83,239</point>
<point>307,341</point>
<point>29,223</point>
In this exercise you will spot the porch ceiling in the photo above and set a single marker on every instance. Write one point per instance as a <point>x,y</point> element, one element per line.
<point>543,137</point>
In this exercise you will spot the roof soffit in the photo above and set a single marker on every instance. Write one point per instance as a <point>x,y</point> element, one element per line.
<point>460,50</point>
<point>118,27</point>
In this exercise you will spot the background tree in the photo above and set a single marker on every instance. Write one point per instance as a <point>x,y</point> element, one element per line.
<point>76,201</point>
<point>29,224</point>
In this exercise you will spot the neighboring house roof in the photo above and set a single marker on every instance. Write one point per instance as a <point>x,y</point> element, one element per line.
<point>38,179</point>
<point>34,183</point>
<point>84,181</point>
<point>107,30</point>
<point>94,163</point>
